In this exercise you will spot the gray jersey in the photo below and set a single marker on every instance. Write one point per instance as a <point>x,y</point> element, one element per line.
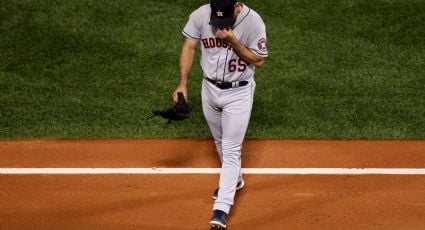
<point>219,61</point>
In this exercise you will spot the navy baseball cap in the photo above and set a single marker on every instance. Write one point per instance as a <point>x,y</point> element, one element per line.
<point>222,13</point>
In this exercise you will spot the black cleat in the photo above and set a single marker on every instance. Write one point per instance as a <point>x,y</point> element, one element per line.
<point>218,220</point>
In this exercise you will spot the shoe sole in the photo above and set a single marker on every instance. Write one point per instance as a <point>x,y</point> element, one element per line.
<point>237,189</point>
<point>215,225</point>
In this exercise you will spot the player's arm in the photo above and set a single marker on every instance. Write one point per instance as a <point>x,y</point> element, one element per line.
<point>242,51</point>
<point>187,55</point>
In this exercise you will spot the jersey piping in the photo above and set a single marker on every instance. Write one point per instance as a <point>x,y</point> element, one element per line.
<point>188,35</point>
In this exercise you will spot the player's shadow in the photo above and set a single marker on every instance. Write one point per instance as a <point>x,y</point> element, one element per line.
<point>192,157</point>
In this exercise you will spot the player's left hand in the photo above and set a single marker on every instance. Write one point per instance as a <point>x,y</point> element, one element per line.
<point>227,35</point>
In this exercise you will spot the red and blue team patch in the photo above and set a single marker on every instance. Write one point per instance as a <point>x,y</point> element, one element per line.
<point>262,45</point>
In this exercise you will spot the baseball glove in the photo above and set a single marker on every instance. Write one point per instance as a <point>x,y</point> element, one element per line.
<point>178,112</point>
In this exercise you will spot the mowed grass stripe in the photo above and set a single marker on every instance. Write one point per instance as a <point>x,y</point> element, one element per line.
<point>96,69</point>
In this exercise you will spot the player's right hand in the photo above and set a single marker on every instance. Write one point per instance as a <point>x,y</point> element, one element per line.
<point>180,88</point>
<point>227,35</point>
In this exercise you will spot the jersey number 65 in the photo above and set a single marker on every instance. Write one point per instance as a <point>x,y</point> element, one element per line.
<point>237,65</point>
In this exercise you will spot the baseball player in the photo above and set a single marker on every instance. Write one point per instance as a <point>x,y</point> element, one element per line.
<point>232,39</point>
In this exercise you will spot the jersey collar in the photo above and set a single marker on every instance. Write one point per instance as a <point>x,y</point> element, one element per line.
<point>242,15</point>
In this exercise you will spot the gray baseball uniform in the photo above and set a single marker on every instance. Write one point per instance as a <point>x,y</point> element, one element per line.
<point>227,111</point>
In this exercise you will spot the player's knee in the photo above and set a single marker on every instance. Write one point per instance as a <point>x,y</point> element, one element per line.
<point>232,155</point>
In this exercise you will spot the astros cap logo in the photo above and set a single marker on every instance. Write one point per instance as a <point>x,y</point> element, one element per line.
<point>222,13</point>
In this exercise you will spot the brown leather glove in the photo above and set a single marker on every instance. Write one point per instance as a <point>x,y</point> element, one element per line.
<point>180,110</point>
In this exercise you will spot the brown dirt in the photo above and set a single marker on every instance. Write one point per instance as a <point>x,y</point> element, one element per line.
<point>184,201</point>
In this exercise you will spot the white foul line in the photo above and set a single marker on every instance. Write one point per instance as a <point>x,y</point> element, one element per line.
<point>271,171</point>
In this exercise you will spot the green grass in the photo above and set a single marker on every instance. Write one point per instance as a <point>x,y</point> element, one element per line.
<point>96,69</point>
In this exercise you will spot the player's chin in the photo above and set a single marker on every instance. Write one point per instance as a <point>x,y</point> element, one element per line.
<point>219,29</point>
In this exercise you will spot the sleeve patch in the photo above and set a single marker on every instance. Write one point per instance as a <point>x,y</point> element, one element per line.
<point>262,45</point>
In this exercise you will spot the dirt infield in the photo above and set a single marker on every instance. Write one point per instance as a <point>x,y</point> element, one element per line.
<point>183,201</point>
